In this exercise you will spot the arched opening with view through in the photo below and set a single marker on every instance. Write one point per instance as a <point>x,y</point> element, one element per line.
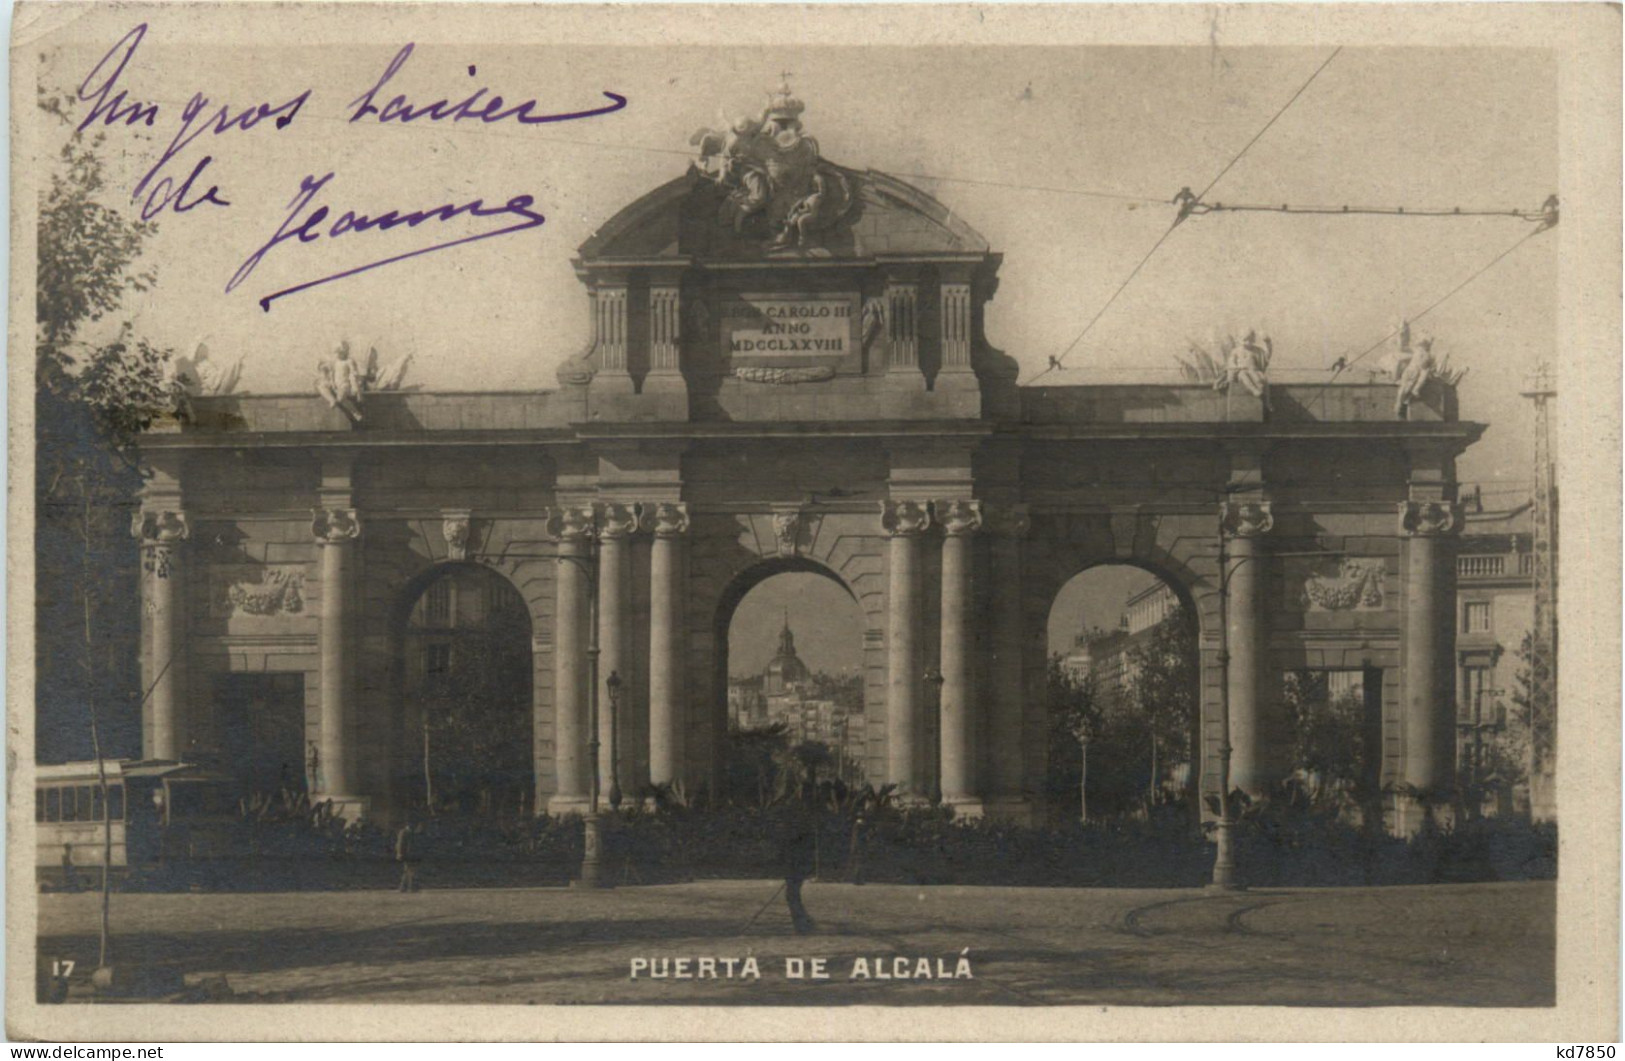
<point>466,696</point>
<point>790,658</point>
<point>1124,697</point>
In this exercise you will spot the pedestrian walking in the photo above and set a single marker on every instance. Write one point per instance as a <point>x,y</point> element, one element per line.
<point>407,853</point>
<point>799,848</point>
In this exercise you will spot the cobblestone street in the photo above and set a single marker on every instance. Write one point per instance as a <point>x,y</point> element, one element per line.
<point>1479,944</point>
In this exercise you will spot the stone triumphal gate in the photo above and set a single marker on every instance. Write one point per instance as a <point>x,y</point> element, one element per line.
<point>789,372</point>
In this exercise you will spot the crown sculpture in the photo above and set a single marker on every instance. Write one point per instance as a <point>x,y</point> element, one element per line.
<point>779,191</point>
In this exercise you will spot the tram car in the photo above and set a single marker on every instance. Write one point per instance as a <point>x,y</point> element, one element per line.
<point>165,816</point>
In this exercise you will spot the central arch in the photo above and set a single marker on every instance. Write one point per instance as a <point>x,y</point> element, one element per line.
<point>846,760</point>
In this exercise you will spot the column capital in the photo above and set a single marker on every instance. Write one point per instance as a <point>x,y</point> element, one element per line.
<point>159,532</point>
<point>572,523</point>
<point>904,519</point>
<point>1429,519</point>
<point>617,520</point>
<point>668,518</point>
<point>335,526</point>
<point>1246,519</point>
<point>160,527</point>
<point>958,516</point>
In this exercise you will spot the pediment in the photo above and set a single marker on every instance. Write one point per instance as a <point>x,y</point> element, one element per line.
<point>695,218</point>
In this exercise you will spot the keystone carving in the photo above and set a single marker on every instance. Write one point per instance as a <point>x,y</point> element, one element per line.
<point>1246,519</point>
<point>786,530</point>
<point>898,518</point>
<point>1428,518</point>
<point>457,528</point>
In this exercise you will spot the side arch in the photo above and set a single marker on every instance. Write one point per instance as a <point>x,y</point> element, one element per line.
<point>507,625</point>
<point>1064,547</point>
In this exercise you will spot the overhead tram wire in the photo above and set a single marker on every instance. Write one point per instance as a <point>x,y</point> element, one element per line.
<point>1184,212</point>
<point>1380,211</point>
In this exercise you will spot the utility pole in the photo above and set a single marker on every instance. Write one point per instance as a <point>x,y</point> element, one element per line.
<point>1543,635</point>
<point>1224,830</point>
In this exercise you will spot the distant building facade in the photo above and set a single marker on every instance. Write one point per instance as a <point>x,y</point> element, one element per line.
<point>784,693</point>
<point>1494,615</point>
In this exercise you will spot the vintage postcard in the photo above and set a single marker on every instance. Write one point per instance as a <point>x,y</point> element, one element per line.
<point>870,522</point>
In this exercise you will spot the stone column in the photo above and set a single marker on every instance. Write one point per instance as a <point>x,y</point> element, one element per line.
<point>336,531</point>
<point>1252,728</point>
<point>666,643</point>
<point>1007,700</point>
<point>573,528</point>
<point>960,521</point>
<point>163,600</point>
<point>617,758</point>
<point>904,522</point>
<point>1428,661</point>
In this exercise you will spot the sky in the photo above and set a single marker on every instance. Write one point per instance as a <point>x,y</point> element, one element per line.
<point>826,622</point>
<point>1008,137</point>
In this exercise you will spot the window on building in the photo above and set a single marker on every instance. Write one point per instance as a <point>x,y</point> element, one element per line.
<point>53,804</point>
<point>115,802</point>
<point>437,604</point>
<point>1477,696</point>
<point>436,659</point>
<point>1476,617</point>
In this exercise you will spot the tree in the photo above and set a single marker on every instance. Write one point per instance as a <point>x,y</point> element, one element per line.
<point>1519,755</point>
<point>754,761</point>
<point>92,401</point>
<point>1331,739</point>
<point>1164,691</point>
<point>476,725</point>
<point>1076,715</point>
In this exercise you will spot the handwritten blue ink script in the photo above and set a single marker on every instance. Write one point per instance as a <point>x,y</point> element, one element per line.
<point>313,218</point>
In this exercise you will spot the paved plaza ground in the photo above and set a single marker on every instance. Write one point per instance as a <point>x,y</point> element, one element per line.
<point>1470,944</point>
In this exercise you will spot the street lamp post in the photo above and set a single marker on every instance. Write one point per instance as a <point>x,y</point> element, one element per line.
<point>1224,855</point>
<point>592,836</point>
<point>613,683</point>
<point>933,695</point>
